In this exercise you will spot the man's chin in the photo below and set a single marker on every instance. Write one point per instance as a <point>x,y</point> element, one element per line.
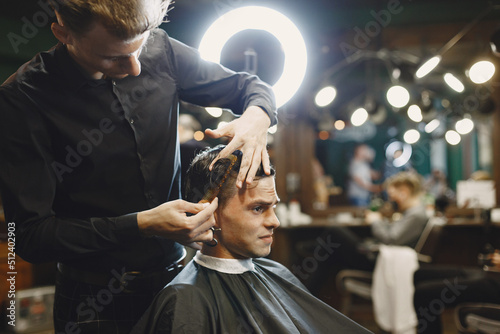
<point>264,253</point>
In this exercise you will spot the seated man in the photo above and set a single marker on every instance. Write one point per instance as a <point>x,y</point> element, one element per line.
<point>405,228</point>
<point>405,190</point>
<point>228,287</point>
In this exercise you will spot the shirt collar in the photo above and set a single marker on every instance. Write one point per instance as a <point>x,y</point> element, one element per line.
<point>228,266</point>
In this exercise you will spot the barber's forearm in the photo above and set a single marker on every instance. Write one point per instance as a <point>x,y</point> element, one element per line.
<point>209,84</point>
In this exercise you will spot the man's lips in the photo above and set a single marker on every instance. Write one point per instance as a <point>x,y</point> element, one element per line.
<point>267,237</point>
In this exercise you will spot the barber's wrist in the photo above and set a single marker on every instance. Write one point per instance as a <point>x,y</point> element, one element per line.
<point>145,223</point>
<point>257,112</point>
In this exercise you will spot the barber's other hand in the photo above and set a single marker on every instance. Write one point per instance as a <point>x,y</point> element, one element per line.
<point>495,259</point>
<point>372,216</point>
<point>248,134</point>
<point>170,220</point>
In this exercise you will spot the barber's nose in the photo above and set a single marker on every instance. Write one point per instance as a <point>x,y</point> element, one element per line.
<point>133,65</point>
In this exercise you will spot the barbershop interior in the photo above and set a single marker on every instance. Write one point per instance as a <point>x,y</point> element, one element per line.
<point>384,151</point>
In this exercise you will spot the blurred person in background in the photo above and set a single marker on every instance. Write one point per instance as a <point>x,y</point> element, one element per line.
<point>360,185</point>
<point>403,229</point>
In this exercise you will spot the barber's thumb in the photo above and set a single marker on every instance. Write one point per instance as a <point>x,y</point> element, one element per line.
<point>213,133</point>
<point>205,205</point>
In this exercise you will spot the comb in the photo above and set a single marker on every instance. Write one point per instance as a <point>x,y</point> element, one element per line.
<point>212,193</point>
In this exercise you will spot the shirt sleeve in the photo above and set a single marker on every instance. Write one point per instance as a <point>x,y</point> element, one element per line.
<point>209,84</point>
<point>28,188</point>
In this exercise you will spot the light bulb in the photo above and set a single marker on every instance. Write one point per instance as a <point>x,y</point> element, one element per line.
<point>432,125</point>
<point>452,137</point>
<point>398,96</point>
<point>359,117</point>
<point>325,96</point>
<point>464,126</point>
<point>481,71</point>
<point>411,136</point>
<point>428,66</point>
<point>414,113</point>
<point>454,82</point>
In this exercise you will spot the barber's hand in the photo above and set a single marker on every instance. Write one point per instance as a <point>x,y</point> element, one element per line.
<point>372,216</point>
<point>248,134</point>
<point>170,220</point>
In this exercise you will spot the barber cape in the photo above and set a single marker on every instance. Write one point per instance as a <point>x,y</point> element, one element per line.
<point>213,295</point>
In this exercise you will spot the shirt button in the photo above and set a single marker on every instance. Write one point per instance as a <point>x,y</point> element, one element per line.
<point>132,121</point>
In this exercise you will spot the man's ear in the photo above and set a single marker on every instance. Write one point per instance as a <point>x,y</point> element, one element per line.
<point>61,32</point>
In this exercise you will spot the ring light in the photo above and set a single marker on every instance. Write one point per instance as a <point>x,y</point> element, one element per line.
<point>275,23</point>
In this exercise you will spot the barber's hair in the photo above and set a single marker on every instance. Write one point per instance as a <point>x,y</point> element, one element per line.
<point>412,180</point>
<point>200,180</point>
<point>123,18</point>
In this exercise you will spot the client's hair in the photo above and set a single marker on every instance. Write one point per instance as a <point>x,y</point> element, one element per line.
<point>200,180</point>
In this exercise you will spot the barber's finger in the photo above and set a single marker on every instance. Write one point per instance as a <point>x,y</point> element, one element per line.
<point>224,131</point>
<point>228,150</point>
<point>205,236</point>
<point>266,162</point>
<point>205,215</point>
<point>255,165</point>
<point>246,163</point>
<point>201,210</point>
<point>185,206</point>
<point>204,226</point>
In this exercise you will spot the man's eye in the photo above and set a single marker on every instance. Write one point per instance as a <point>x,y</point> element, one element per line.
<point>258,209</point>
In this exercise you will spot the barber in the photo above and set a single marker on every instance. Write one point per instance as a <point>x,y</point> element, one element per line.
<point>89,156</point>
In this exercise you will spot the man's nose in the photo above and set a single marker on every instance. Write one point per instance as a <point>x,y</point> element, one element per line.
<point>273,221</point>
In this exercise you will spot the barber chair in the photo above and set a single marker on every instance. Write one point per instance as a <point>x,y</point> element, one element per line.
<point>477,318</point>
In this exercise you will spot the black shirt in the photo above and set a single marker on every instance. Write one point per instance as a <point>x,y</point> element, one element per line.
<point>80,157</point>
